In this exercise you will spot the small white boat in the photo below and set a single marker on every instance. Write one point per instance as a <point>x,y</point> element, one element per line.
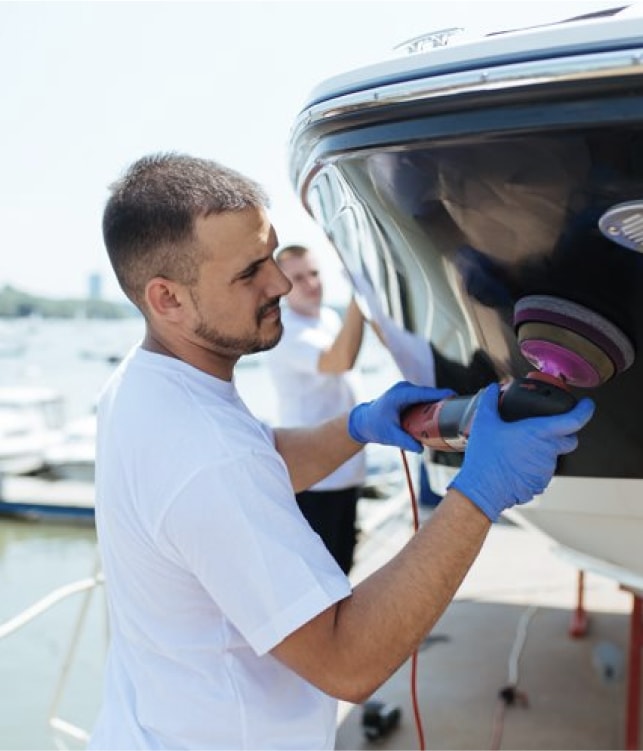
<point>30,421</point>
<point>73,456</point>
<point>39,499</point>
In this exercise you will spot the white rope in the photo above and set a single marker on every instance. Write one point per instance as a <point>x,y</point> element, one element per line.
<point>519,643</point>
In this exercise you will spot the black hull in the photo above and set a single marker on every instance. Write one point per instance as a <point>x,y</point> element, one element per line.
<point>447,209</point>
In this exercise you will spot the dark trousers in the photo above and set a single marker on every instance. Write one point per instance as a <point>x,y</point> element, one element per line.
<point>333,515</point>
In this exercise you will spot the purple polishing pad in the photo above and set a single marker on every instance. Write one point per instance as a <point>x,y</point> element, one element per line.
<point>559,361</point>
<point>572,362</point>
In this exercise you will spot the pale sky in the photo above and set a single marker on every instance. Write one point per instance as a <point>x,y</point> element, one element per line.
<point>88,87</point>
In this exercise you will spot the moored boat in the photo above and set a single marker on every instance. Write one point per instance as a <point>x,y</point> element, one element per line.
<point>73,455</point>
<point>486,199</point>
<point>30,421</point>
<point>37,499</point>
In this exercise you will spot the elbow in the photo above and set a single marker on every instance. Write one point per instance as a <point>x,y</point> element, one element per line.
<point>356,694</point>
<point>351,688</point>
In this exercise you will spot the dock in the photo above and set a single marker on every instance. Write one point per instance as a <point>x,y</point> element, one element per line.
<point>505,667</point>
<point>509,625</point>
<point>41,499</point>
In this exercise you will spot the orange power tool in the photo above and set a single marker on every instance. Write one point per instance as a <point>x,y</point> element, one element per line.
<point>445,425</point>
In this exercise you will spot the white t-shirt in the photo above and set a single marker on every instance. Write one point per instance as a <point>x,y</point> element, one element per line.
<point>306,396</point>
<point>208,563</point>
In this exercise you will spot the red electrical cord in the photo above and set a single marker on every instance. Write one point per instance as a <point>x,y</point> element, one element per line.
<point>414,656</point>
<point>507,696</point>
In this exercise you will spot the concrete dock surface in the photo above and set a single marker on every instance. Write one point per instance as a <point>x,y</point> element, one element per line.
<point>509,625</point>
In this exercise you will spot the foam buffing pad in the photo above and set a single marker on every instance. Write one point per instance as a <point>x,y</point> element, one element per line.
<point>569,341</point>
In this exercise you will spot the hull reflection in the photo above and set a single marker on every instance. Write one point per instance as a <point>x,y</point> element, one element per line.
<point>454,183</point>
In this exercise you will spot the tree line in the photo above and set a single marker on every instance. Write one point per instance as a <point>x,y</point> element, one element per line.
<point>17,304</point>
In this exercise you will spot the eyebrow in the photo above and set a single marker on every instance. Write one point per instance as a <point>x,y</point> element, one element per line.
<point>252,266</point>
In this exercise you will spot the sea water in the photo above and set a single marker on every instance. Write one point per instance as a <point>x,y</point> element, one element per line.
<point>55,661</point>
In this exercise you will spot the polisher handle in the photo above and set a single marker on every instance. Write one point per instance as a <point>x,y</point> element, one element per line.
<point>442,425</point>
<point>445,425</point>
<point>536,395</point>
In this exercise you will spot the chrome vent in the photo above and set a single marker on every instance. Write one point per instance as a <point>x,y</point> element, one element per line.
<point>623,224</point>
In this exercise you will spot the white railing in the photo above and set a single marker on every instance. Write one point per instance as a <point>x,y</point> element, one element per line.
<point>88,586</point>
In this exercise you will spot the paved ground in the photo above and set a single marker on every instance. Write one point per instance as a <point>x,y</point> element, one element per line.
<point>509,623</point>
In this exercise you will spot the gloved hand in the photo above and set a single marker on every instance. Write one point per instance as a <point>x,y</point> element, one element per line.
<point>506,463</point>
<point>379,421</point>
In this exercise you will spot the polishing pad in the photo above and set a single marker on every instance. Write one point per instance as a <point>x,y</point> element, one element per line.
<point>569,341</point>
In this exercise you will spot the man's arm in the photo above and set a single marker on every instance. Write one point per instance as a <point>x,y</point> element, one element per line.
<point>342,354</point>
<point>350,649</point>
<point>313,453</point>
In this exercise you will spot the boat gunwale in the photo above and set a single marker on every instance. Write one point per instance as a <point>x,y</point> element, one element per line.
<point>340,112</point>
<point>625,63</point>
<point>573,38</point>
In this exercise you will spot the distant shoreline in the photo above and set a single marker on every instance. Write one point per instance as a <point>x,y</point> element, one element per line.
<point>17,304</point>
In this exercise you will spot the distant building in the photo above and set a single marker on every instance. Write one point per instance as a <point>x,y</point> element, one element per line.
<point>95,286</point>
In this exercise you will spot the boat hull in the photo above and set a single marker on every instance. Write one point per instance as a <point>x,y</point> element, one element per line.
<point>597,523</point>
<point>453,190</point>
<point>39,499</point>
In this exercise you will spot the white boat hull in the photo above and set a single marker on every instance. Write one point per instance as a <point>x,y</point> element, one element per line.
<point>602,518</point>
<point>597,522</point>
<point>15,461</point>
<point>36,499</point>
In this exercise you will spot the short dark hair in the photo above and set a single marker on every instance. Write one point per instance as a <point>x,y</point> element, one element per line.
<point>289,251</point>
<point>148,222</point>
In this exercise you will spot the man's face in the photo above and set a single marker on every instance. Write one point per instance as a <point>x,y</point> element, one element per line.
<point>305,297</point>
<point>236,299</point>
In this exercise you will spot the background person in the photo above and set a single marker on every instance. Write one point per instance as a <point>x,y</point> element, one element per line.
<point>231,625</point>
<point>413,356</point>
<point>312,371</point>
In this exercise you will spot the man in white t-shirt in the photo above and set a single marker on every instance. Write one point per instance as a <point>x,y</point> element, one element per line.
<point>312,370</point>
<point>231,625</point>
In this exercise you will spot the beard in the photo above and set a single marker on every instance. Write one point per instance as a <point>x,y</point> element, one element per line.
<point>236,346</point>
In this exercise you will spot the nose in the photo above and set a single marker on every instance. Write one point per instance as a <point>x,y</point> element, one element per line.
<point>313,282</point>
<point>280,284</point>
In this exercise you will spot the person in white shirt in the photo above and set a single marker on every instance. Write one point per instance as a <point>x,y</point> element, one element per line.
<point>312,371</point>
<point>231,625</point>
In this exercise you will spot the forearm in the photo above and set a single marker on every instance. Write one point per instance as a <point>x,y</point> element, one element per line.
<point>399,604</point>
<point>341,356</point>
<point>366,637</point>
<point>313,453</point>
<point>352,647</point>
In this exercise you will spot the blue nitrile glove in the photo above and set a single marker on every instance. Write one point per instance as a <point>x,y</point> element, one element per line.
<point>379,421</point>
<point>510,462</point>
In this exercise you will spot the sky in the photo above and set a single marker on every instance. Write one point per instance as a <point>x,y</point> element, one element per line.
<point>87,87</point>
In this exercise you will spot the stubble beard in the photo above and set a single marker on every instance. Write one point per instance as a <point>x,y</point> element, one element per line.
<point>238,346</point>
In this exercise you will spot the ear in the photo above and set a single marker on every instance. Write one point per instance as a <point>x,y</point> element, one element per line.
<point>164,298</point>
